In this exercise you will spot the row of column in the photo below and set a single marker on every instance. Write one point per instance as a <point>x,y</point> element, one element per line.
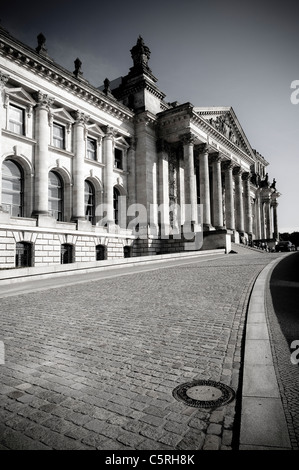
<point>238,210</point>
<point>237,191</point>
<point>42,163</point>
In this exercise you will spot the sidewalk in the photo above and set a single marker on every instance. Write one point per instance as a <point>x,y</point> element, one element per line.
<point>92,359</point>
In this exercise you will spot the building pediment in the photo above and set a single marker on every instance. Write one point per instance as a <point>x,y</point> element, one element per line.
<point>62,115</point>
<point>96,130</point>
<point>122,142</point>
<point>19,95</point>
<point>224,121</point>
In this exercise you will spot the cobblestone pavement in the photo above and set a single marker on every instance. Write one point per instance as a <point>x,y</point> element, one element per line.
<point>94,365</point>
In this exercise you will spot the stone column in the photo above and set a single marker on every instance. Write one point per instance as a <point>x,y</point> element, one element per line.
<point>217,192</point>
<point>204,182</point>
<point>3,80</point>
<point>247,203</point>
<point>229,195</point>
<point>258,216</point>
<point>132,171</point>
<point>190,184</point>
<point>163,186</point>
<point>78,166</point>
<point>41,154</point>
<point>275,218</point>
<point>239,199</point>
<point>108,174</point>
<point>266,200</point>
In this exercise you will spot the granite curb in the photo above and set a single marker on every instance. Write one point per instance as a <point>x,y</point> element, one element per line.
<point>263,421</point>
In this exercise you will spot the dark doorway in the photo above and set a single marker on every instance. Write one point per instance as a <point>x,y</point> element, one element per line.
<point>23,255</point>
<point>67,253</point>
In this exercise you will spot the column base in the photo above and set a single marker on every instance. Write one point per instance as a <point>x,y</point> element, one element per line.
<point>208,227</point>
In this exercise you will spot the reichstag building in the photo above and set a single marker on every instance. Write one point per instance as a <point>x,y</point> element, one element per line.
<point>116,171</point>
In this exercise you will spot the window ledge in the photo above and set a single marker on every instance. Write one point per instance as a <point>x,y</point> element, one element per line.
<point>62,151</point>
<point>22,138</point>
<point>94,162</point>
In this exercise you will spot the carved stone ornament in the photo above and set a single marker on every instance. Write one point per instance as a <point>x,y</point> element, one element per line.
<point>43,100</point>
<point>188,138</point>
<point>81,118</point>
<point>77,72</point>
<point>237,171</point>
<point>246,176</point>
<point>228,165</point>
<point>41,41</point>
<point>215,157</point>
<point>110,132</point>
<point>3,79</point>
<point>140,54</point>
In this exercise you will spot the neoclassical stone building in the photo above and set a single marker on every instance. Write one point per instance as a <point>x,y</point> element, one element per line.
<point>98,173</point>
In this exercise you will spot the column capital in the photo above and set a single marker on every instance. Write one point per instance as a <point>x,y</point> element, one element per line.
<point>3,80</point>
<point>81,118</point>
<point>43,100</point>
<point>246,176</point>
<point>110,133</point>
<point>202,148</point>
<point>188,138</point>
<point>228,165</point>
<point>238,171</point>
<point>215,157</point>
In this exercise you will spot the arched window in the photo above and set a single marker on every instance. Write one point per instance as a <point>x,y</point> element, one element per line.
<point>89,195</point>
<point>12,188</point>
<point>55,195</point>
<point>116,195</point>
<point>100,252</point>
<point>23,254</point>
<point>67,253</point>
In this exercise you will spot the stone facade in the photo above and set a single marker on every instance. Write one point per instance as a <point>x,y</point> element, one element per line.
<point>79,163</point>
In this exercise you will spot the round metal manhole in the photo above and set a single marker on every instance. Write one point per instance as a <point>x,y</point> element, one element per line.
<point>204,394</point>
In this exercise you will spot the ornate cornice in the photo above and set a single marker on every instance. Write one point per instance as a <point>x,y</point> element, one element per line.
<point>44,67</point>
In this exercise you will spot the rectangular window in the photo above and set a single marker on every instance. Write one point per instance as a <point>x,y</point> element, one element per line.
<point>58,136</point>
<point>16,120</point>
<point>91,149</point>
<point>118,159</point>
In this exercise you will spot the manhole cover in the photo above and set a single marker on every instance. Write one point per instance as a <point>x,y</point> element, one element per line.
<point>204,394</point>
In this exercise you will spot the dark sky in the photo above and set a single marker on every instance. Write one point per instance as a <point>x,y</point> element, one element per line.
<point>242,54</point>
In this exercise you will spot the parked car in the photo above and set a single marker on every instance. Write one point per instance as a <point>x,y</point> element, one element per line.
<point>284,246</point>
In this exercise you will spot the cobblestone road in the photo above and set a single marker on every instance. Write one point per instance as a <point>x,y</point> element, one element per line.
<point>94,365</point>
